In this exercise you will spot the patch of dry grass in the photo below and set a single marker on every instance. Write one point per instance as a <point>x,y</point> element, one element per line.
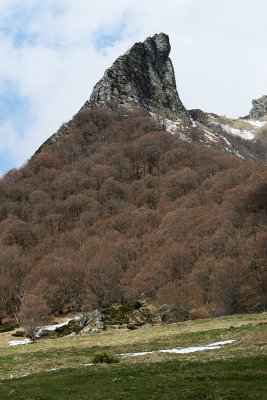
<point>249,331</point>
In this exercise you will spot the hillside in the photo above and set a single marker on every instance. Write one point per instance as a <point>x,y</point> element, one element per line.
<point>119,209</point>
<point>138,198</point>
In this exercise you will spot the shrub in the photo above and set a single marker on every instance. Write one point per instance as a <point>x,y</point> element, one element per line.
<point>137,305</point>
<point>8,327</point>
<point>131,327</point>
<point>68,329</point>
<point>18,334</point>
<point>105,358</point>
<point>125,307</point>
<point>261,306</point>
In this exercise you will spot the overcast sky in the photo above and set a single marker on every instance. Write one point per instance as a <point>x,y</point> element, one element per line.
<point>54,51</point>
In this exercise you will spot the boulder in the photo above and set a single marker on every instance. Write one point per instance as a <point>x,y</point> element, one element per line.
<point>93,322</point>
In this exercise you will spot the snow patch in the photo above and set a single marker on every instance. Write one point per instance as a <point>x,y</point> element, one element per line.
<point>170,126</point>
<point>247,135</point>
<point>210,136</point>
<point>226,141</point>
<point>54,326</point>
<point>185,350</point>
<point>18,342</point>
<point>256,123</point>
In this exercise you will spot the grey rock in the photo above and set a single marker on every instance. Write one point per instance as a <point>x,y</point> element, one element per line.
<point>147,326</point>
<point>86,329</point>
<point>71,334</point>
<point>141,78</point>
<point>259,107</point>
<point>199,115</point>
<point>93,322</point>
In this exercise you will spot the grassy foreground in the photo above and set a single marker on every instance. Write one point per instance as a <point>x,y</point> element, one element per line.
<point>236,371</point>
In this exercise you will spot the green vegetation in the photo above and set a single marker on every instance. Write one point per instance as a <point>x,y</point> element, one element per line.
<point>8,327</point>
<point>61,368</point>
<point>235,379</point>
<point>105,358</point>
<point>131,315</point>
<point>71,327</point>
<point>18,334</point>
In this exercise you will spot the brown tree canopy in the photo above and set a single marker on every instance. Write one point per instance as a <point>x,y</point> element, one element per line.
<point>119,209</point>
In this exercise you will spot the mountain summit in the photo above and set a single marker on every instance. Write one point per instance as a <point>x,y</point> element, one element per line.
<point>142,77</point>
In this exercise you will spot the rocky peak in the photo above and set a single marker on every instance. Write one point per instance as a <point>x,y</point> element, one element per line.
<point>259,107</point>
<point>142,77</point>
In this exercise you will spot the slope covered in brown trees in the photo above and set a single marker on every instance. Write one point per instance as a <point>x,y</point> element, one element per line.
<point>119,209</point>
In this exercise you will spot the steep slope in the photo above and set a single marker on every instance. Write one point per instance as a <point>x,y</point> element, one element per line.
<point>119,209</point>
<point>244,137</point>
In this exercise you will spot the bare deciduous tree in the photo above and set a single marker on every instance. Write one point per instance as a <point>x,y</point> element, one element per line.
<point>33,314</point>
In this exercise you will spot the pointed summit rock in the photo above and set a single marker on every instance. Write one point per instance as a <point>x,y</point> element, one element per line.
<point>141,78</point>
<point>259,107</point>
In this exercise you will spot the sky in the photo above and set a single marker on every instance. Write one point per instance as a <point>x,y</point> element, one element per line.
<point>54,51</point>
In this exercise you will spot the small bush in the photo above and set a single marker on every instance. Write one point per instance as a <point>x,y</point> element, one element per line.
<point>126,307</point>
<point>137,305</point>
<point>261,306</point>
<point>131,327</point>
<point>105,358</point>
<point>68,329</point>
<point>116,316</point>
<point>8,327</point>
<point>18,334</point>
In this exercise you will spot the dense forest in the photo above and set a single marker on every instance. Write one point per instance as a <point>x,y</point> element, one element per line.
<point>117,209</point>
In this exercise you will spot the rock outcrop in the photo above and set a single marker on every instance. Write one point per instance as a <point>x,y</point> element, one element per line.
<point>93,322</point>
<point>259,107</point>
<point>141,78</point>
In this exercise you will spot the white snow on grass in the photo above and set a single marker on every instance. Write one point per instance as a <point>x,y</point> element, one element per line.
<point>40,330</point>
<point>226,141</point>
<point>51,327</point>
<point>247,135</point>
<point>170,126</point>
<point>18,342</point>
<point>185,350</point>
<point>210,136</point>
<point>54,326</point>
<point>255,122</point>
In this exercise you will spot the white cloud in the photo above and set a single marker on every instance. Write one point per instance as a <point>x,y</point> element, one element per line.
<point>50,51</point>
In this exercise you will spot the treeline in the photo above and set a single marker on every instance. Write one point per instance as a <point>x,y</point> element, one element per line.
<point>116,209</point>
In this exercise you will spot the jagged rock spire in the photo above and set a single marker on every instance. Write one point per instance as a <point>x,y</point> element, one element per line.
<point>141,78</point>
<point>259,107</point>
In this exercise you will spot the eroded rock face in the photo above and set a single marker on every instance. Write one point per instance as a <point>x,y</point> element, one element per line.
<point>142,77</point>
<point>259,107</point>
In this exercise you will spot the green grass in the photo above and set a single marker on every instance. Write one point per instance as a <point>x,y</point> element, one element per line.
<point>245,378</point>
<point>236,371</point>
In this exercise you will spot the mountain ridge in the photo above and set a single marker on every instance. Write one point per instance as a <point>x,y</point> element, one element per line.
<point>144,78</point>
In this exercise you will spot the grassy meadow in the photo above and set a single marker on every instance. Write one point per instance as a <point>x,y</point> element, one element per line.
<point>56,368</point>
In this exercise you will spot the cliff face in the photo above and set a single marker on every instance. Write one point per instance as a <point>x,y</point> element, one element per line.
<point>142,77</point>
